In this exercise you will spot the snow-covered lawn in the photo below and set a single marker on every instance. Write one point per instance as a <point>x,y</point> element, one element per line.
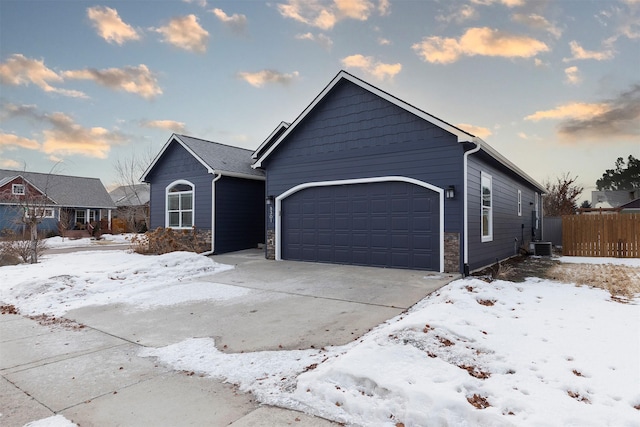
<point>473,353</point>
<point>63,282</point>
<point>60,242</point>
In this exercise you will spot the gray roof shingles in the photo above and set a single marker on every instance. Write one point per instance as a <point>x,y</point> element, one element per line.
<point>131,195</point>
<point>65,190</point>
<point>221,157</point>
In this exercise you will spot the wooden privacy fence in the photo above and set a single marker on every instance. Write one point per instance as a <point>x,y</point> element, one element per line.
<point>601,235</point>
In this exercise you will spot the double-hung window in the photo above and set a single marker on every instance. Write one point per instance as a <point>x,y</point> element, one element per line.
<point>519,202</point>
<point>180,205</point>
<point>17,189</point>
<point>81,216</point>
<point>487,206</point>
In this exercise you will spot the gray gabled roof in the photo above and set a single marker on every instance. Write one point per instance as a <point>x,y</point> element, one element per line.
<point>217,158</point>
<point>65,190</point>
<point>130,195</point>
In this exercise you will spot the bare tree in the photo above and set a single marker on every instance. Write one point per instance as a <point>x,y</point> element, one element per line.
<point>128,172</point>
<point>64,222</point>
<point>562,196</point>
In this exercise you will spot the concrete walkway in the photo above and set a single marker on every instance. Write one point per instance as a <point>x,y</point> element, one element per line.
<point>87,368</point>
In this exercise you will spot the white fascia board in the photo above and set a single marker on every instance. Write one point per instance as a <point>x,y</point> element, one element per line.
<point>195,156</point>
<point>271,135</point>
<point>156,158</point>
<point>460,134</point>
<point>509,164</point>
<point>239,175</point>
<point>34,186</point>
<point>164,148</point>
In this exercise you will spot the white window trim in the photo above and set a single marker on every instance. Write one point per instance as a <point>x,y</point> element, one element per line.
<point>193,203</point>
<point>489,237</point>
<point>15,187</point>
<point>519,202</point>
<point>47,212</point>
<point>84,215</point>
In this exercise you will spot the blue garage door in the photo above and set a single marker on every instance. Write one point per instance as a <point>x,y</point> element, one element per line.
<point>385,224</point>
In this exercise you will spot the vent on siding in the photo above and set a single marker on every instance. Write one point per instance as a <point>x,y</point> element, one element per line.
<point>542,248</point>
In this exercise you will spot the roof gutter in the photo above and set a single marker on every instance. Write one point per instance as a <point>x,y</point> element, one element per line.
<point>238,175</point>
<point>465,168</point>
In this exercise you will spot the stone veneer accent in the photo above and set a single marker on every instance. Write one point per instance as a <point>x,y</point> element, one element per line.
<point>452,252</point>
<point>270,247</point>
<point>204,238</point>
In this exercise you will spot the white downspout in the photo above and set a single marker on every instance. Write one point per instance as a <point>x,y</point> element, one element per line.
<point>213,215</point>
<point>466,204</point>
<point>277,230</point>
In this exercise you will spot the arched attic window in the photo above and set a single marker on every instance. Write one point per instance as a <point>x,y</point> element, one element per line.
<point>180,202</point>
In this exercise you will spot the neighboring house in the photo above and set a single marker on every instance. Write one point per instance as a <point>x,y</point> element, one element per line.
<point>631,207</point>
<point>607,199</point>
<point>209,186</point>
<point>78,201</point>
<point>132,203</point>
<point>361,177</point>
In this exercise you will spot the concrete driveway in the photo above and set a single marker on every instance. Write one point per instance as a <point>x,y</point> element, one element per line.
<point>88,369</point>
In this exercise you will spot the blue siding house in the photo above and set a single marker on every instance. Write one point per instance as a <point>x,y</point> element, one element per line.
<point>361,177</point>
<point>209,186</point>
<point>77,200</point>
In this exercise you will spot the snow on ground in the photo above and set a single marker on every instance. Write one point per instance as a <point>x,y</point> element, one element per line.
<point>63,282</point>
<point>471,354</point>
<point>60,242</point>
<point>54,421</point>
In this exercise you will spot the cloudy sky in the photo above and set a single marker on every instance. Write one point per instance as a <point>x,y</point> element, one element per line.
<point>552,85</point>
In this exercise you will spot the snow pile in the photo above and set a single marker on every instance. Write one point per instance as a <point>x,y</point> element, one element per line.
<point>472,354</point>
<point>54,421</point>
<point>60,242</point>
<point>64,282</point>
<point>270,375</point>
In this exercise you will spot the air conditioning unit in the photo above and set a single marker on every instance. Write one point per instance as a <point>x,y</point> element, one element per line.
<point>542,249</point>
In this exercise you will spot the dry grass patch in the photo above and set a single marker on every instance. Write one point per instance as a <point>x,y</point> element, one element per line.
<point>622,282</point>
<point>619,280</point>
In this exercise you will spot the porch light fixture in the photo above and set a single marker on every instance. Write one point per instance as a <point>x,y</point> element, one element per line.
<point>450,192</point>
<point>269,200</point>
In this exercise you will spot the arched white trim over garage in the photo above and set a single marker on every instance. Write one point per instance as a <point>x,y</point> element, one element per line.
<point>281,197</point>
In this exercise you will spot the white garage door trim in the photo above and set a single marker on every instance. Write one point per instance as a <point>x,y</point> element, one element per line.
<point>300,187</point>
